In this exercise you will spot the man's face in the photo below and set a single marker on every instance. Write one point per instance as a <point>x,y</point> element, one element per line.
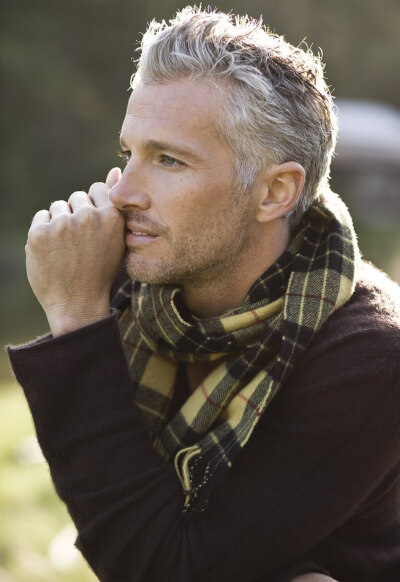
<point>184,221</point>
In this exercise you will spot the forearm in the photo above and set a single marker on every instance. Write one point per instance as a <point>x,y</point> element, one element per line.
<point>99,454</point>
<point>105,469</point>
<point>127,502</point>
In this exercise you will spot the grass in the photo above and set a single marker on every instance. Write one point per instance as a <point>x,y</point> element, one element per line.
<point>32,516</point>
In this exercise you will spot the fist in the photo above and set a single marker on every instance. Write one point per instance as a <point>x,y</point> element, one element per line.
<point>73,253</point>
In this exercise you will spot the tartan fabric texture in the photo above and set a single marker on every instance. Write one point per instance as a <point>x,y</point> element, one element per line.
<point>257,343</point>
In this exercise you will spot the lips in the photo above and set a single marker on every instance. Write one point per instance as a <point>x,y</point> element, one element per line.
<point>136,234</point>
<point>140,233</point>
<point>139,230</point>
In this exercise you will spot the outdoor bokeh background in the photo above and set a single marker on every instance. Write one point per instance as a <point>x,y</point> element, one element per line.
<point>65,69</point>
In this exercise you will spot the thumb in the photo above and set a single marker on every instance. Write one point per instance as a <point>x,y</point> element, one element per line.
<point>113,177</point>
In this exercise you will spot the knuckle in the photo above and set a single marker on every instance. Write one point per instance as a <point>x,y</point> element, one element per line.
<point>108,212</point>
<point>84,214</point>
<point>39,215</point>
<point>106,207</point>
<point>36,234</point>
<point>57,204</point>
<point>60,222</point>
<point>79,194</point>
<point>96,189</point>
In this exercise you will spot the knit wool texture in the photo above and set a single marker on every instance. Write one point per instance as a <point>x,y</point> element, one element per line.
<point>257,344</point>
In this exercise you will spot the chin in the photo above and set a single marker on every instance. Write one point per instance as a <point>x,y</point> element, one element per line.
<point>155,272</point>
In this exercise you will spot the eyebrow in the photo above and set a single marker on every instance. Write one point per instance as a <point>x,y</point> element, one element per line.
<point>156,145</point>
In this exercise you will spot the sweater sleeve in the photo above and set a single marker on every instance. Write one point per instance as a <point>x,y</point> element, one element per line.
<point>311,461</point>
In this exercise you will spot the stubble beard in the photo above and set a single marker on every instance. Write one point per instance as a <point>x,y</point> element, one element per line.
<point>195,260</point>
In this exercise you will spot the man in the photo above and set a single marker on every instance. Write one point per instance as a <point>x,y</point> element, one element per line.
<point>236,416</point>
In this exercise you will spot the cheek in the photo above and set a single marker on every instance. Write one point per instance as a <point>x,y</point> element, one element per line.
<point>184,210</point>
<point>184,207</point>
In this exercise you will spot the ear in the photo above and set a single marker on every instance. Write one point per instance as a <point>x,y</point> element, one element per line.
<point>279,188</point>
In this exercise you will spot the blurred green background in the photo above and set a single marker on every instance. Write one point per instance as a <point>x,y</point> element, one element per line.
<point>65,69</point>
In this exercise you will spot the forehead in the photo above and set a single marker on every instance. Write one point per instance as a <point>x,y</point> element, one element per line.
<point>183,109</point>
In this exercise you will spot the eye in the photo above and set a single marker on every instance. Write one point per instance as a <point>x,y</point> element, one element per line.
<point>125,155</point>
<point>170,162</point>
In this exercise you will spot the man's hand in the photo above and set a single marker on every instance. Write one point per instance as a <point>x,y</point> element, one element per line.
<point>73,253</point>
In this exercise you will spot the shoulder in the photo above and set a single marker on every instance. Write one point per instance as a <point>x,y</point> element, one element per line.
<point>376,299</point>
<point>368,324</point>
<point>353,360</point>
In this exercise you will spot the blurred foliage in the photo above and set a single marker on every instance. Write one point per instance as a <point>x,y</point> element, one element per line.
<point>66,66</point>
<point>31,513</point>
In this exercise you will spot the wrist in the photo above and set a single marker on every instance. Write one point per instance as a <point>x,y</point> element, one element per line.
<point>65,323</point>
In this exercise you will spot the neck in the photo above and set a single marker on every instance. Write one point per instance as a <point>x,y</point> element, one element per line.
<point>229,288</point>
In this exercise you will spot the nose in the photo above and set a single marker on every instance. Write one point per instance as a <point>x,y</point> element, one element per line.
<point>129,191</point>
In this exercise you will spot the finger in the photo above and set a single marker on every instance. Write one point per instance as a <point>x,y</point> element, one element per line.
<point>113,176</point>
<point>79,200</point>
<point>58,208</point>
<point>41,216</point>
<point>98,193</point>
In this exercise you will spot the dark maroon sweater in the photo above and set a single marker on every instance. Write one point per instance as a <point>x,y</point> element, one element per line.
<point>318,482</point>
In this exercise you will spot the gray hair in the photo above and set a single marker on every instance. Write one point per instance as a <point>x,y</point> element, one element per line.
<point>276,106</point>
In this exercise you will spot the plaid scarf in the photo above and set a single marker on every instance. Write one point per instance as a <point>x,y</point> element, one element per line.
<point>257,343</point>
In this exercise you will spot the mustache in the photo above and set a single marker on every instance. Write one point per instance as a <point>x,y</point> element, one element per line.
<point>142,220</point>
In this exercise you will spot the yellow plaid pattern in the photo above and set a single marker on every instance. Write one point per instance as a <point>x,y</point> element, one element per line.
<point>258,343</point>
